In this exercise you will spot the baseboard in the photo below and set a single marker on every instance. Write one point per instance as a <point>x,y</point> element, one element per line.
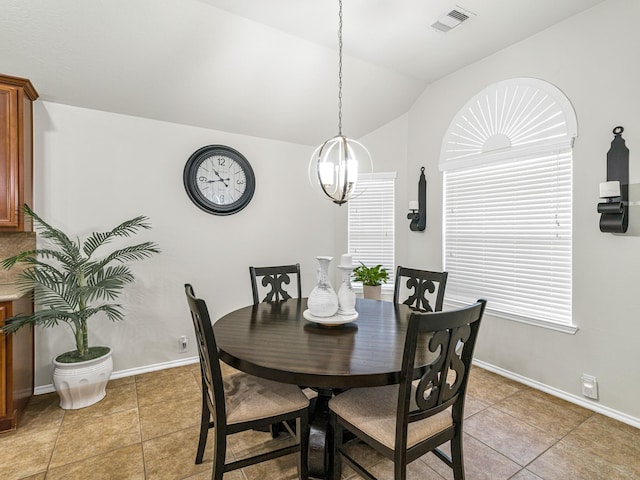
<point>609,412</point>
<point>42,389</point>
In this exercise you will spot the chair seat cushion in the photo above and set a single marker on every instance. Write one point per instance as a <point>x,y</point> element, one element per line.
<point>250,398</point>
<point>373,410</point>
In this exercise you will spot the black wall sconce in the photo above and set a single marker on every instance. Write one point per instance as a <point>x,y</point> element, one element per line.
<point>418,214</point>
<point>614,211</point>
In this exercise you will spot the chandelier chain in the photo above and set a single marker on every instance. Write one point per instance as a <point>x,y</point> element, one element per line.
<point>340,68</point>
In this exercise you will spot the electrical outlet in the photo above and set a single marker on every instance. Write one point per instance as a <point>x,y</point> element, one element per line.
<point>589,386</point>
<point>183,344</point>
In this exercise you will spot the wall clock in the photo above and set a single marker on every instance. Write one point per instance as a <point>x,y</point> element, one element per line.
<point>219,180</point>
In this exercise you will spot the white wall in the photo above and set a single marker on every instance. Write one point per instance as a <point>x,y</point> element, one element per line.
<point>590,58</point>
<point>94,170</point>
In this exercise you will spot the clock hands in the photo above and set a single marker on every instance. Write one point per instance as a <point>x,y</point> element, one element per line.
<point>221,179</point>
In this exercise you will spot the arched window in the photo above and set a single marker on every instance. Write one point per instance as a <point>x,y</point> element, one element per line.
<point>507,162</point>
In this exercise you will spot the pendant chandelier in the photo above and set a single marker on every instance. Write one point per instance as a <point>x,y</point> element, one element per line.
<point>336,163</point>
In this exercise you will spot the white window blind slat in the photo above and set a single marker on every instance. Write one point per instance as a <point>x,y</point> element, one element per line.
<point>371,222</point>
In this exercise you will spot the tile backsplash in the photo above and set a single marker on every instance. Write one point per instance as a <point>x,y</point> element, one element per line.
<point>12,244</point>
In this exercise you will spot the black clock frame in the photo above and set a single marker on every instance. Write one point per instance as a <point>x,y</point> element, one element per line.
<point>190,173</point>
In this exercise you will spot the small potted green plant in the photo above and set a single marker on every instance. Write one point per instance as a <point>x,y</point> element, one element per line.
<point>71,286</point>
<point>372,279</point>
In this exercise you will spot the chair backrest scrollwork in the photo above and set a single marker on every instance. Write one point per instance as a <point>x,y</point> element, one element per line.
<point>422,285</point>
<point>275,279</point>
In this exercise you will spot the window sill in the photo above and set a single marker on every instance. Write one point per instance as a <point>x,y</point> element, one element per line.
<point>558,327</point>
<point>359,289</point>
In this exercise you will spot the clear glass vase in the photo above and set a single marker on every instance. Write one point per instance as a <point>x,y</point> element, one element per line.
<point>323,301</point>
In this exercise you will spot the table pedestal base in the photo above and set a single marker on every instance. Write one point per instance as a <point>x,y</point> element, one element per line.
<point>319,437</point>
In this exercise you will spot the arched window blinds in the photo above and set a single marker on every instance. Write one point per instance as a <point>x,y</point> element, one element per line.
<point>507,162</point>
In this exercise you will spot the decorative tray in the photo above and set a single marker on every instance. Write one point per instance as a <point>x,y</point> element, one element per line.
<point>332,321</point>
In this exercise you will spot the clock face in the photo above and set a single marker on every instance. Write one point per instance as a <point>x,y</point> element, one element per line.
<point>219,180</point>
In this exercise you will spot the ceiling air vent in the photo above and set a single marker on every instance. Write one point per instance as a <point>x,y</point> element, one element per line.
<point>452,19</point>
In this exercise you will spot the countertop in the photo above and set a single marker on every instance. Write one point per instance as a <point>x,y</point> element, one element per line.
<point>9,293</point>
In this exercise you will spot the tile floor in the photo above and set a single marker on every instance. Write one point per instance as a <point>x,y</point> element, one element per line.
<point>147,428</point>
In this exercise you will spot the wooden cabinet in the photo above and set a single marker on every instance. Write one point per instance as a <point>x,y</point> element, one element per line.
<point>16,152</point>
<point>16,365</point>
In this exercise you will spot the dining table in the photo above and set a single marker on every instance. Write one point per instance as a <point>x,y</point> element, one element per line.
<point>275,341</point>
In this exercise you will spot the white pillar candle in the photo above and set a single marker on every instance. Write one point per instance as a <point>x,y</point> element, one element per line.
<point>346,260</point>
<point>609,189</point>
<point>413,205</point>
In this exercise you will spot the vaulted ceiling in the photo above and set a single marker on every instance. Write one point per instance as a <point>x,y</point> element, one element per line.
<point>266,68</point>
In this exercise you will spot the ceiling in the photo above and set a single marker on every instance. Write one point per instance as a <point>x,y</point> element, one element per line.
<point>265,68</point>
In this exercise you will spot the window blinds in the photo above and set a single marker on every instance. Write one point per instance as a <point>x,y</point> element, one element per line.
<point>507,230</point>
<point>371,222</point>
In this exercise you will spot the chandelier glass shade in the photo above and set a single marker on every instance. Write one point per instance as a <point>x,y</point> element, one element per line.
<point>336,165</point>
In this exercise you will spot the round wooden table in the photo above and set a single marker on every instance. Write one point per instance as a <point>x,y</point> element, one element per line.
<point>274,341</point>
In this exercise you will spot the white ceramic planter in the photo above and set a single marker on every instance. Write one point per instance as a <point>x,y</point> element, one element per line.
<point>372,292</point>
<point>83,383</point>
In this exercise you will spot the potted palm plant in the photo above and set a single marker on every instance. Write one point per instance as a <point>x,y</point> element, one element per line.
<point>372,279</point>
<point>70,285</point>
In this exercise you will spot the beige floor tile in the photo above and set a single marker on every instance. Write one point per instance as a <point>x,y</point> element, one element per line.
<point>45,397</point>
<point>95,436</point>
<point>283,468</point>
<point>159,374</point>
<point>225,369</point>
<point>42,413</point>
<point>180,383</point>
<point>525,474</point>
<point>233,475</point>
<point>489,387</point>
<point>161,418</point>
<point>553,415</point>
<point>252,442</point>
<point>566,461</point>
<point>480,462</point>
<point>172,456</point>
<point>37,476</point>
<point>118,382</point>
<point>124,463</point>
<point>415,471</point>
<point>361,453</point>
<point>117,399</point>
<point>22,455</point>
<point>507,435</point>
<point>195,367</point>
<point>610,423</point>
<point>614,442</point>
<point>472,406</point>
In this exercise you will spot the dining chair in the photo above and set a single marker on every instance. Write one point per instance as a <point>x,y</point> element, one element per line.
<point>242,402</point>
<point>274,279</point>
<point>405,421</point>
<point>420,285</point>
